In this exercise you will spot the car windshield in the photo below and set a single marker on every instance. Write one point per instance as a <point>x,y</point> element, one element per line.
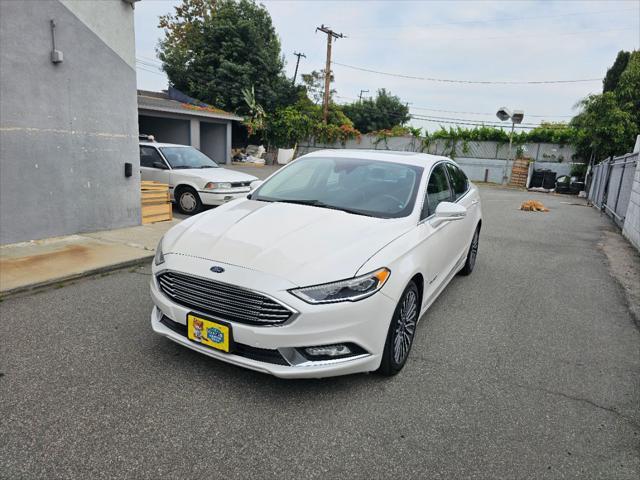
<point>187,157</point>
<point>359,186</point>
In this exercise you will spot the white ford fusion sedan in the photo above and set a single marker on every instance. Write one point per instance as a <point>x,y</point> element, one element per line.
<point>324,269</point>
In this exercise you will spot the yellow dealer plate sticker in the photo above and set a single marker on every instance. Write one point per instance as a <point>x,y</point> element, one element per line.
<point>212,334</point>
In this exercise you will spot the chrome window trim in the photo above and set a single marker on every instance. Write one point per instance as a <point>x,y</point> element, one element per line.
<point>426,185</point>
<point>161,156</point>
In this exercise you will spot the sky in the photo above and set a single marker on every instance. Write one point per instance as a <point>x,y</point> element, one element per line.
<point>487,41</point>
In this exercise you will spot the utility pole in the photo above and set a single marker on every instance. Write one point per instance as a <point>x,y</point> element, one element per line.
<point>295,74</point>
<point>327,70</point>
<point>360,96</point>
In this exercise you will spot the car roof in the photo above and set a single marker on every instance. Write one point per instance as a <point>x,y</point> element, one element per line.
<point>158,144</point>
<point>407,158</point>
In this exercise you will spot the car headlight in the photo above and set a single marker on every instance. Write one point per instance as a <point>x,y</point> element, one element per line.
<point>158,258</point>
<point>217,186</point>
<point>349,290</point>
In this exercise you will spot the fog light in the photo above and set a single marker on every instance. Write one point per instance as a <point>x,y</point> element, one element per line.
<point>328,351</point>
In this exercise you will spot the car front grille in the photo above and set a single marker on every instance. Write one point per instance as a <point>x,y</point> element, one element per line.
<point>221,300</point>
<point>240,184</point>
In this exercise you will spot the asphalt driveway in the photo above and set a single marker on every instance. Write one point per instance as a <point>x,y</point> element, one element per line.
<point>528,368</point>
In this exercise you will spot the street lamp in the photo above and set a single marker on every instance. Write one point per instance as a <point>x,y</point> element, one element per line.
<point>516,117</point>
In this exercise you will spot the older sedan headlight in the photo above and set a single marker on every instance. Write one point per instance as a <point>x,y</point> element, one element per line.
<point>158,259</point>
<point>349,290</point>
<point>217,186</point>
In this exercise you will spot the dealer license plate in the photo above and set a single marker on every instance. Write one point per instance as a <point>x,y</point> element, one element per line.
<point>208,332</point>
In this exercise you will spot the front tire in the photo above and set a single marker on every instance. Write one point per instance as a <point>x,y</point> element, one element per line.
<point>472,255</point>
<point>188,201</point>
<point>401,332</point>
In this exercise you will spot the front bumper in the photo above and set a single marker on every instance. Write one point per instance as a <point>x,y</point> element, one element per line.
<point>210,198</point>
<point>364,323</point>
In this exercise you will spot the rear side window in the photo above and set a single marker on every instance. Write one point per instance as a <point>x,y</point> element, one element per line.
<point>437,191</point>
<point>459,182</point>
<point>149,155</point>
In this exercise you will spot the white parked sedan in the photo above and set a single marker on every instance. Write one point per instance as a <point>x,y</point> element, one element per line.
<point>194,179</point>
<point>327,267</point>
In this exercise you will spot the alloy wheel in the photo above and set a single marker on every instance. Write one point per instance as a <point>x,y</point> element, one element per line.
<point>405,327</point>
<point>473,252</point>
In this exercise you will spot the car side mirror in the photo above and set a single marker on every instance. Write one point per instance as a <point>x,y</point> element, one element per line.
<point>159,165</point>
<point>448,212</point>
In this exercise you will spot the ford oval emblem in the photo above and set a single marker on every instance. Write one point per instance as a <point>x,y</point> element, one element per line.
<point>216,269</point>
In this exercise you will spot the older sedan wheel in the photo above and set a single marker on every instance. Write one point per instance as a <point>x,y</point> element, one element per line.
<point>188,201</point>
<point>401,332</point>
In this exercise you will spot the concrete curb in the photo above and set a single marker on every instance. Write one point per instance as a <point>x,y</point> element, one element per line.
<point>87,273</point>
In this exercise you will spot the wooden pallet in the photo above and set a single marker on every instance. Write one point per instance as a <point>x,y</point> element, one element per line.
<point>156,202</point>
<point>520,172</point>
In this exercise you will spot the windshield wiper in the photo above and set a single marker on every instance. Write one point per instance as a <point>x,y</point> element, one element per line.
<point>318,203</point>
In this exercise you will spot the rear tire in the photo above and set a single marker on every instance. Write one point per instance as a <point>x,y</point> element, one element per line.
<point>188,201</point>
<point>472,255</point>
<point>401,332</point>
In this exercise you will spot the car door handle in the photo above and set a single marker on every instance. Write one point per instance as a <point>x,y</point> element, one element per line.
<point>475,202</point>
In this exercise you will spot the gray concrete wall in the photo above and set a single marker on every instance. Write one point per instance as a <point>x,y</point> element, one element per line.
<point>169,130</point>
<point>631,228</point>
<point>476,159</point>
<point>111,21</point>
<point>541,152</point>
<point>213,141</point>
<point>66,130</point>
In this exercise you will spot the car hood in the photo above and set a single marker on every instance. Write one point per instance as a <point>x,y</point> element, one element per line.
<point>302,244</point>
<point>214,174</point>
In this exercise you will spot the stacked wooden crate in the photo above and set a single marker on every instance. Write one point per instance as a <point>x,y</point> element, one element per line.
<point>156,202</point>
<point>519,172</point>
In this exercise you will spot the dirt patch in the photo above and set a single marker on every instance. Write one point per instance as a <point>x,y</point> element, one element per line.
<point>624,266</point>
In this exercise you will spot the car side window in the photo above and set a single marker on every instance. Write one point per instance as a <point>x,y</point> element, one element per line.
<point>459,182</point>
<point>149,155</point>
<point>437,191</point>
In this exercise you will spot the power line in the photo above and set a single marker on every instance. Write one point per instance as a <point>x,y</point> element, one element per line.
<point>483,82</point>
<point>504,19</point>
<point>487,113</point>
<point>461,121</point>
<point>519,35</point>
<point>463,112</point>
<point>138,67</point>
<point>147,64</point>
<point>528,126</point>
<point>151,59</point>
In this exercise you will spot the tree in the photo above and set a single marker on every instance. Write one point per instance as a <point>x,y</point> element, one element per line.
<point>610,81</point>
<point>382,113</point>
<point>214,50</point>
<point>628,88</point>
<point>603,128</point>
<point>551,132</point>
<point>608,123</point>
<point>314,83</point>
